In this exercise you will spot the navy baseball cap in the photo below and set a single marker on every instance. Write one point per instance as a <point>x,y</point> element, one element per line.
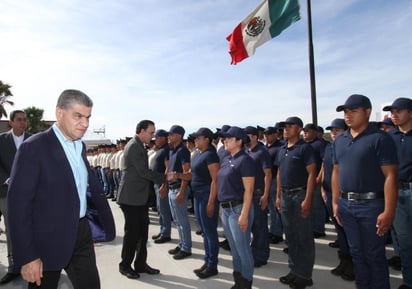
<point>337,123</point>
<point>236,132</point>
<point>160,133</point>
<point>292,120</point>
<point>177,129</point>
<point>309,126</point>
<point>387,121</point>
<point>251,130</point>
<point>399,103</point>
<point>355,101</point>
<point>270,130</point>
<point>204,131</point>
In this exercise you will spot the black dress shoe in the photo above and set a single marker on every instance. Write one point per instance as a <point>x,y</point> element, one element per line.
<point>174,251</point>
<point>317,235</point>
<point>224,245</point>
<point>276,239</point>
<point>204,266</point>
<point>286,250</point>
<point>208,272</point>
<point>334,244</point>
<point>157,236</point>
<point>300,283</point>
<point>162,240</point>
<point>259,263</point>
<point>181,255</point>
<point>149,270</point>
<point>129,273</point>
<point>9,277</point>
<point>288,278</point>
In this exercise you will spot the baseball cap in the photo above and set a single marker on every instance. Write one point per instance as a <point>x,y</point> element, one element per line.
<point>355,101</point>
<point>177,129</point>
<point>251,130</point>
<point>309,126</point>
<point>161,133</point>
<point>204,131</point>
<point>399,103</point>
<point>387,121</point>
<point>270,130</point>
<point>236,132</point>
<point>292,120</point>
<point>337,123</point>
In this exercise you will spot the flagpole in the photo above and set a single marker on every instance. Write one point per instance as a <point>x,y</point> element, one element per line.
<point>312,67</point>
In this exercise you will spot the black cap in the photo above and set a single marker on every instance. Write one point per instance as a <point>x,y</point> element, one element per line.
<point>400,103</point>
<point>355,101</point>
<point>251,130</point>
<point>337,123</point>
<point>236,132</point>
<point>204,131</point>
<point>291,120</point>
<point>161,133</point>
<point>270,130</point>
<point>309,126</point>
<point>177,129</point>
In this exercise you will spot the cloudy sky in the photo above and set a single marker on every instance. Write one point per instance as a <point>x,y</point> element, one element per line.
<point>168,60</point>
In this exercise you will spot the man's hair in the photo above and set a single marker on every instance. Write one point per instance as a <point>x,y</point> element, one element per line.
<point>14,112</point>
<point>72,96</point>
<point>143,124</point>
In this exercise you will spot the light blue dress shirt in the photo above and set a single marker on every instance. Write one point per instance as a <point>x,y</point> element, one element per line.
<point>73,151</point>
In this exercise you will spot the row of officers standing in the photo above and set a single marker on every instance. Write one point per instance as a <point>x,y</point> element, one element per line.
<point>363,177</point>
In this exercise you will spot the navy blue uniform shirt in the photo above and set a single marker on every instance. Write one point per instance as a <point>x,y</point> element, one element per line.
<point>261,156</point>
<point>177,157</point>
<point>200,170</point>
<point>230,175</point>
<point>158,161</point>
<point>327,168</point>
<point>222,153</point>
<point>360,159</point>
<point>273,152</point>
<point>292,163</point>
<point>403,142</point>
<point>319,149</point>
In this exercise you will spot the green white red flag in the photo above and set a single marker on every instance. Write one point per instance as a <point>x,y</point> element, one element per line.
<point>267,21</point>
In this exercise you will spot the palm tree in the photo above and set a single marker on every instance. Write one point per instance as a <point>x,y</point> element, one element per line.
<point>5,93</point>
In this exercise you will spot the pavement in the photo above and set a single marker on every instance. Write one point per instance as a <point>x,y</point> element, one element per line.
<point>178,274</point>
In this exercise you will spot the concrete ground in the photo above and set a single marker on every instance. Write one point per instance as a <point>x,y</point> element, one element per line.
<point>178,274</point>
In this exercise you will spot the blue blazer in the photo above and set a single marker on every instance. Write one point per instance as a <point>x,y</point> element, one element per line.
<point>43,204</point>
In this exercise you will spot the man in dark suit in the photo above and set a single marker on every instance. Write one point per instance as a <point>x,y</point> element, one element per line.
<point>133,196</point>
<point>9,143</point>
<point>47,201</point>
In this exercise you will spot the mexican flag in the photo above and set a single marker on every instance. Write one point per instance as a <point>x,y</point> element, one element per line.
<point>267,21</point>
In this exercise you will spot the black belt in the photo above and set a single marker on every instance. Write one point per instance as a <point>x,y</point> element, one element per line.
<point>293,190</point>
<point>405,186</point>
<point>362,196</point>
<point>175,186</point>
<point>230,204</point>
<point>258,192</point>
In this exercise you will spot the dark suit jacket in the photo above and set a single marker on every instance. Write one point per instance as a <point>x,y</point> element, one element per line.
<point>43,203</point>
<point>7,153</point>
<point>136,183</point>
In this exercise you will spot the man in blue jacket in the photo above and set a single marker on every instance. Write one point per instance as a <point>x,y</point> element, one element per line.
<point>47,201</point>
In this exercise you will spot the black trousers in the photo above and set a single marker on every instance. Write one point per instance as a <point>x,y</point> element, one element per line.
<point>136,230</point>
<point>82,269</point>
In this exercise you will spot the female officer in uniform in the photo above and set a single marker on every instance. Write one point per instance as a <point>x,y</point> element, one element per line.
<point>236,179</point>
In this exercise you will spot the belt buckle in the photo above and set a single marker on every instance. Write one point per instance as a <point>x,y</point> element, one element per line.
<point>351,196</point>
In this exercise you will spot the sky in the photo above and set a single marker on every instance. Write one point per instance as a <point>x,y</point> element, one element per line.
<point>168,61</point>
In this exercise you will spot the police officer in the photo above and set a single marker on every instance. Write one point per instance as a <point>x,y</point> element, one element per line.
<point>236,181</point>
<point>263,181</point>
<point>295,185</point>
<point>364,189</point>
<point>401,110</point>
